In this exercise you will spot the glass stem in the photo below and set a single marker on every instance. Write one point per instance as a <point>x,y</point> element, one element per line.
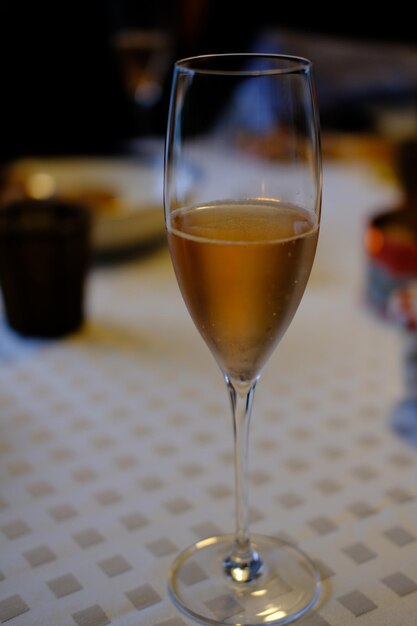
<point>243,564</point>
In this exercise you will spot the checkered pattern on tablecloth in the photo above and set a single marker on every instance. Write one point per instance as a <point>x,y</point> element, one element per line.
<point>116,453</point>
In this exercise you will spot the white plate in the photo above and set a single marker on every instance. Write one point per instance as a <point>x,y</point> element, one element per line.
<point>136,216</point>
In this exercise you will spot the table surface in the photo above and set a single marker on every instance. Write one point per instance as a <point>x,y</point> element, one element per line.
<point>116,445</point>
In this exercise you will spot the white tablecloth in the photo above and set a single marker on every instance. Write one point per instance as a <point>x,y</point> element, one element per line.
<point>116,445</point>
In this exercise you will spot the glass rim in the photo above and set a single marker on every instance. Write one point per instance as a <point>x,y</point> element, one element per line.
<point>285,64</point>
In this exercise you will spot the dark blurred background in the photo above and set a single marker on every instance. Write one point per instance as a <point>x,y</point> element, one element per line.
<point>68,70</point>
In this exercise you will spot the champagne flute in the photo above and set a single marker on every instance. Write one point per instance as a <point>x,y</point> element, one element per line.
<point>242,250</point>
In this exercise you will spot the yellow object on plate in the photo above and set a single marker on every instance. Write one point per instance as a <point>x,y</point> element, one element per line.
<point>124,195</point>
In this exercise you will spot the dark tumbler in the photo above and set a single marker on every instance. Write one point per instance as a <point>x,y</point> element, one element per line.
<point>44,260</point>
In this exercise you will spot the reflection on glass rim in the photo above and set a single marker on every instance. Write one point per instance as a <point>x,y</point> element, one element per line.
<point>258,64</point>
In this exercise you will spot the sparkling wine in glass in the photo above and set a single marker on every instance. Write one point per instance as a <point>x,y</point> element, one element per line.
<point>242,247</point>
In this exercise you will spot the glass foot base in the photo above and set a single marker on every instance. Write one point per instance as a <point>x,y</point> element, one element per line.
<point>288,586</point>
